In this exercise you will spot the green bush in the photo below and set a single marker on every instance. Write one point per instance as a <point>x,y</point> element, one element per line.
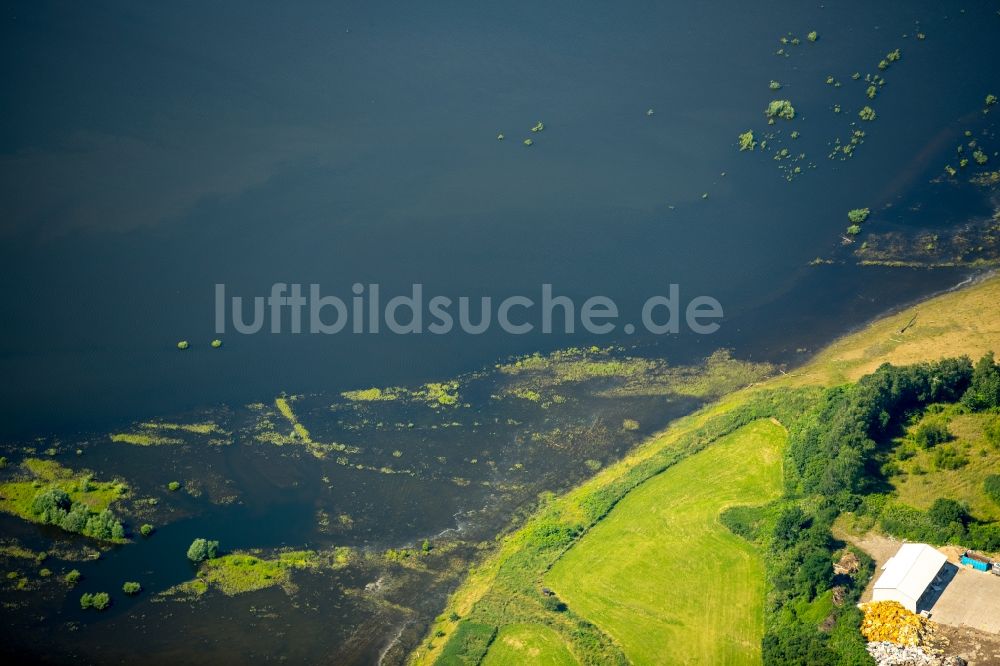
<point>906,522</point>
<point>202,549</point>
<point>949,457</point>
<point>984,389</point>
<point>748,522</point>
<point>780,108</point>
<point>131,588</point>
<point>992,430</point>
<point>930,433</point>
<point>468,645</point>
<point>146,529</point>
<point>991,486</point>
<point>73,577</point>
<point>53,506</point>
<point>98,601</point>
<point>984,537</point>
<point>946,511</point>
<point>858,215</point>
<point>174,485</point>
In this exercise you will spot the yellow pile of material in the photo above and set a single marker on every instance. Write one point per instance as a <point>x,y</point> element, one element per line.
<point>889,621</point>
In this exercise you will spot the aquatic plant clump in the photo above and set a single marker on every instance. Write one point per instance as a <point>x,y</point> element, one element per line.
<point>747,141</point>
<point>373,394</point>
<point>216,343</point>
<point>98,601</point>
<point>867,113</point>
<point>183,344</point>
<point>780,108</point>
<point>812,36</point>
<point>774,85</point>
<point>858,215</point>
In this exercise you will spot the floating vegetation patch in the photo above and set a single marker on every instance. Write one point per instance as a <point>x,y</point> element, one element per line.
<point>438,394</point>
<point>621,376</point>
<point>144,439</point>
<point>845,150</point>
<point>434,394</point>
<point>973,244</point>
<point>242,572</point>
<point>779,108</point>
<point>162,433</point>
<point>374,394</point>
<point>207,428</point>
<point>986,179</point>
<point>266,430</point>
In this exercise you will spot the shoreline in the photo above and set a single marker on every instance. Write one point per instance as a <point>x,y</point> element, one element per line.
<point>848,355</point>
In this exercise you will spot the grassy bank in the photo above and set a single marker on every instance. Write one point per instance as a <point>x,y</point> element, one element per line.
<point>662,575</point>
<point>520,644</point>
<point>505,588</point>
<point>959,322</point>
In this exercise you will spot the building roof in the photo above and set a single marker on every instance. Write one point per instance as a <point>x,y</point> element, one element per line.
<point>911,570</point>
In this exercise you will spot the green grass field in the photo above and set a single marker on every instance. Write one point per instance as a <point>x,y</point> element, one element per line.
<point>964,484</point>
<point>520,644</point>
<point>662,576</point>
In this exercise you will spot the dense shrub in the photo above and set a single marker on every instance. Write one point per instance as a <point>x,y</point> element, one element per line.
<point>992,431</point>
<point>991,485</point>
<point>984,387</point>
<point>797,645</point>
<point>831,454</point>
<point>752,523</point>
<point>468,645</point>
<point>930,433</point>
<point>949,457</point>
<point>53,506</point>
<point>945,511</point>
<point>131,588</point>
<point>202,549</point>
<point>98,601</point>
<point>984,537</point>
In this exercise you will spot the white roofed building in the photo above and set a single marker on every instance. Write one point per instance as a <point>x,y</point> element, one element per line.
<point>908,574</point>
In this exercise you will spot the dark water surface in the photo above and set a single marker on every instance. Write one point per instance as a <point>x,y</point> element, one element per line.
<point>150,152</point>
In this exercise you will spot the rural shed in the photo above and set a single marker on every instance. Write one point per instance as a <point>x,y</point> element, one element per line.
<point>908,574</point>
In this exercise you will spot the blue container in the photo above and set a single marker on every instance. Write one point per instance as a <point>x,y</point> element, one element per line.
<point>975,564</point>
